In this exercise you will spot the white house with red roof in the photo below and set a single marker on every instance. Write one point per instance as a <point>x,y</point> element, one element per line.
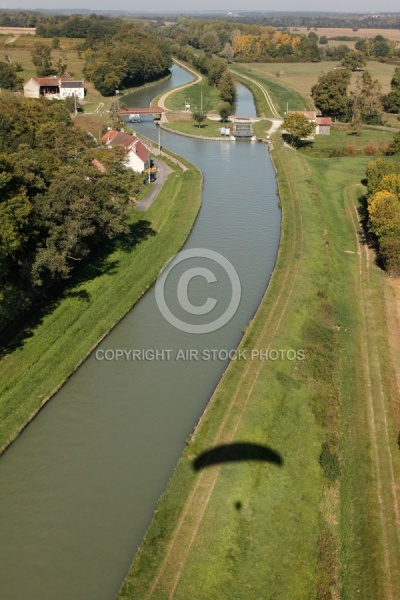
<point>137,154</point>
<point>54,87</point>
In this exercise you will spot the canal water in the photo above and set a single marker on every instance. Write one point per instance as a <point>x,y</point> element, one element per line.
<point>79,486</point>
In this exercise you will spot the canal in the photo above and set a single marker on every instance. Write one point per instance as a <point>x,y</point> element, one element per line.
<point>79,486</point>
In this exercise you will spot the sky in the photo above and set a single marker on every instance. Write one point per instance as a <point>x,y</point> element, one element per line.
<point>203,5</point>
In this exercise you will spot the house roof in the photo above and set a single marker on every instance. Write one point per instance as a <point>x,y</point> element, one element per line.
<point>33,80</point>
<point>323,120</point>
<point>141,151</point>
<point>70,84</point>
<point>48,81</point>
<point>96,163</point>
<point>66,77</point>
<point>118,138</point>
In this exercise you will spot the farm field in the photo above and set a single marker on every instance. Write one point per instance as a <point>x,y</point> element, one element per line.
<point>390,34</point>
<point>302,76</point>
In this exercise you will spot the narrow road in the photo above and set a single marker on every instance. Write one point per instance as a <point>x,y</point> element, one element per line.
<point>161,102</point>
<point>163,170</point>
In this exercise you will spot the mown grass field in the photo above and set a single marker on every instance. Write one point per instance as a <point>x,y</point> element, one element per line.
<point>343,142</point>
<point>330,32</point>
<point>325,523</point>
<point>300,77</point>
<point>97,297</point>
<point>192,95</point>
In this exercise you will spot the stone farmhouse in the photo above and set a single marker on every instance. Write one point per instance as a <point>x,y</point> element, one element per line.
<point>59,88</point>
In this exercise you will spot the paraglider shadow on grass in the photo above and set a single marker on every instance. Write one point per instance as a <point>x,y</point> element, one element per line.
<point>236,452</point>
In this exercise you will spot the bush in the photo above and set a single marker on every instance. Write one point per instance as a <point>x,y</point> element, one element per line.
<point>390,252</point>
<point>350,149</point>
<point>371,148</point>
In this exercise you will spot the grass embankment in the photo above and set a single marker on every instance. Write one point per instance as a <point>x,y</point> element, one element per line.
<point>97,298</point>
<point>209,128</point>
<point>324,523</point>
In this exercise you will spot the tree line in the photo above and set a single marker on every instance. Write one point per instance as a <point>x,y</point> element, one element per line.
<point>56,207</point>
<point>364,104</point>
<point>213,67</point>
<point>383,206</point>
<point>241,42</point>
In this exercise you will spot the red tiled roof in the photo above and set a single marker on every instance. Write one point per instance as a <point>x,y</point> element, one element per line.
<point>48,81</point>
<point>96,163</point>
<point>118,138</point>
<point>108,136</point>
<point>141,150</point>
<point>323,121</point>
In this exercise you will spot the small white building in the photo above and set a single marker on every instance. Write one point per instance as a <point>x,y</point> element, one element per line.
<point>72,88</point>
<point>137,154</point>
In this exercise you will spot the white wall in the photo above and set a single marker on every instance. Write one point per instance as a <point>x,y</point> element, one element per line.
<point>134,162</point>
<point>31,89</point>
<point>70,92</point>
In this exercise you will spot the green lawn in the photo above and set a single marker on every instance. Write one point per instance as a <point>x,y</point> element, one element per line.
<point>96,299</point>
<point>343,142</point>
<point>209,128</point>
<point>311,527</point>
<point>192,95</point>
<point>261,128</point>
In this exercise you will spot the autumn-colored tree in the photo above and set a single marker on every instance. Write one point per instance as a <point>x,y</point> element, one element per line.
<point>384,214</point>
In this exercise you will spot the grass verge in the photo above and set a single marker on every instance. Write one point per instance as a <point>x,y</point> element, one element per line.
<point>98,296</point>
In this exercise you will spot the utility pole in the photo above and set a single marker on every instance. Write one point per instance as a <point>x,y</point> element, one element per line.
<point>159,139</point>
<point>201,99</point>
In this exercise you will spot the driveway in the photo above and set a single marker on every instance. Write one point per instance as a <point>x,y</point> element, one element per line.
<point>163,171</point>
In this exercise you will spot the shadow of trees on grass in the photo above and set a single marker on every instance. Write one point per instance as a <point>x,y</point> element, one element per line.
<point>96,265</point>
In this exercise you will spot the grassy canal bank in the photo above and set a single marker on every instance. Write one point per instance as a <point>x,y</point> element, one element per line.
<point>323,521</point>
<point>33,367</point>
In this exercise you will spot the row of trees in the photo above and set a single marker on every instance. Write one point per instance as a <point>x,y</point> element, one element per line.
<point>56,208</point>
<point>214,68</point>
<point>384,207</point>
<point>241,42</point>
<point>363,104</point>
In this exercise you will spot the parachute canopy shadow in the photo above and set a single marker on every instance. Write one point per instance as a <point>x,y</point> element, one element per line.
<point>236,452</point>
